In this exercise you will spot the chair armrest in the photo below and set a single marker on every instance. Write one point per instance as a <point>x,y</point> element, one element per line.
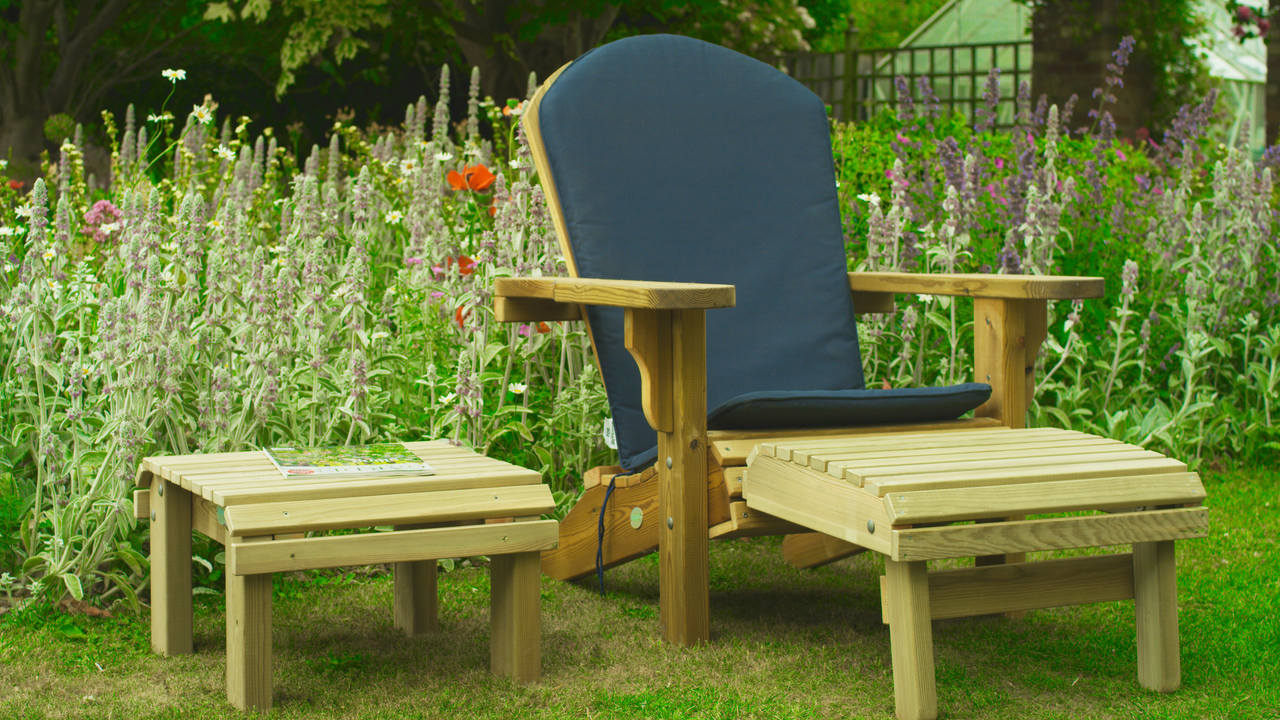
<point>1011,287</point>
<point>619,293</point>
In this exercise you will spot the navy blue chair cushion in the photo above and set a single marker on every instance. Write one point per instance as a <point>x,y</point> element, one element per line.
<point>847,408</point>
<point>677,160</point>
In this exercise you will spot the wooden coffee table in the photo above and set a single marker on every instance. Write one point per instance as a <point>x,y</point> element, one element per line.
<point>915,497</point>
<point>263,519</point>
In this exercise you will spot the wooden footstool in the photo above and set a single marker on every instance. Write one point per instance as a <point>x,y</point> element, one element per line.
<point>242,501</point>
<point>901,495</point>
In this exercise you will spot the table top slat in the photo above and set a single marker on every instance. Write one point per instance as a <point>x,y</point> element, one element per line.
<point>1020,475</point>
<point>1057,447</point>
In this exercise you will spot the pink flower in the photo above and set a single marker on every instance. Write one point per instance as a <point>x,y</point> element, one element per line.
<point>1244,12</point>
<point>999,163</point>
<point>1264,26</point>
<point>437,295</point>
<point>1120,154</point>
<point>413,261</point>
<point>524,330</point>
<point>888,173</point>
<point>902,138</point>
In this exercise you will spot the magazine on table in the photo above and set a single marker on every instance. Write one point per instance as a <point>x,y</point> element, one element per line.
<point>349,461</point>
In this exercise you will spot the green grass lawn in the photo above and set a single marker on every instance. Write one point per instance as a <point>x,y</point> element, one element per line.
<point>785,644</point>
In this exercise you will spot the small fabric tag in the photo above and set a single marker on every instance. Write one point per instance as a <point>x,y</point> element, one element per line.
<point>610,437</point>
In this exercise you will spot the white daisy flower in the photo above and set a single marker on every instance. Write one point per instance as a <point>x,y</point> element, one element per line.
<point>202,113</point>
<point>873,198</point>
<point>471,150</point>
<point>408,165</point>
<point>381,334</point>
<point>394,217</point>
<point>109,228</point>
<point>6,231</point>
<point>517,388</point>
<point>4,164</point>
<point>54,286</point>
<point>215,224</point>
<point>225,152</point>
<point>448,398</point>
<point>8,268</point>
<point>23,211</point>
<point>443,157</point>
<point>49,254</point>
<point>174,76</point>
<point>160,118</point>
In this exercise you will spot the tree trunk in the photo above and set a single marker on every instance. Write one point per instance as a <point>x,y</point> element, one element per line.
<point>504,71</point>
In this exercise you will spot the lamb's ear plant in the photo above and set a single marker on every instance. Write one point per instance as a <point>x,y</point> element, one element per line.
<point>228,290</point>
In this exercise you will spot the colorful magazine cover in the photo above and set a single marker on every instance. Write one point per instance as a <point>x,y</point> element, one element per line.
<point>357,460</point>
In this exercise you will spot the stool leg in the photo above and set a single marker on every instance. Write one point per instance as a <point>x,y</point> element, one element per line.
<point>911,638</point>
<point>1155,593</point>
<point>249,641</point>
<point>171,610</point>
<point>515,609</point>
<point>416,597</point>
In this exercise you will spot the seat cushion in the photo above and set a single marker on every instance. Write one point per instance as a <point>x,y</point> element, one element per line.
<point>847,408</point>
<point>676,160</point>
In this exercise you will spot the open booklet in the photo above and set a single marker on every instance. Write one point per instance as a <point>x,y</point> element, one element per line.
<point>349,461</point>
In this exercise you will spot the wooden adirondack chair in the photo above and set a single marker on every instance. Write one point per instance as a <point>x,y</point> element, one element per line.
<point>683,177</point>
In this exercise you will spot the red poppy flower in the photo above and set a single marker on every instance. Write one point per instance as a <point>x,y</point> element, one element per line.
<point>466,265</point>
<point>544,328</point>
<point>460,317</point>
<point>16,184</point>
<point>473,177</point>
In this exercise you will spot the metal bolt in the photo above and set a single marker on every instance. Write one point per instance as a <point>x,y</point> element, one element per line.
<point>504,538</point>
<point>286,512</point>
<point>161,489</point>
<point>871,526</point>
<point>291,556</point>
<point>153,515</point>
<point>988,377</point>
<point>745,515</point>
<point>902,497</point>
<point>988,321</point>
<point>668,463</point>
<point>671,522</point>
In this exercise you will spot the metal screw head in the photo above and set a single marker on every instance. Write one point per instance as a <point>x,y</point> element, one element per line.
<point>286,512</point>
<point>871,526</point>
<point>671,522</point>
<point>161,490</point>
<point>988,321</point>
<point>153,515</point>
<point>668,463</point>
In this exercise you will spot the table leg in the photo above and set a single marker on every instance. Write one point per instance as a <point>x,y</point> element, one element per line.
<point>911,638</point>
<point>416,597</point>
<point>249,638</point>
<point>515,610</point>
<point>1155,593</point>
<point>171,608</point>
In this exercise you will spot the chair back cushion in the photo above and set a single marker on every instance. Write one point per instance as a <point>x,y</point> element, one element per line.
<point>678,160</point>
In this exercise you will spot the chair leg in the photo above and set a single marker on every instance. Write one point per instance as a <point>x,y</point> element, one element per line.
<point>249,641</point>
<point>416,597</point>
<point>515,610</point>
<point>1155,592</point>
<point>171,609</point>
<point>911,638</point>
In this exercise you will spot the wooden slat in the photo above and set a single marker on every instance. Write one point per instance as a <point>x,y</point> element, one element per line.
<point>965,592</point>
<point>143,477</point>
<point>815,549</point>
<point>372,486</point>
<point>374,548</point>
<point>979,285</point>
<point>142,503</point>
<point>515,612</point>
<point>400,509</point>
<point>204,520</point>
<point>746,522</point>
<point>731,447</point>
<point>882,470</point>
<point>923,506</point>
<point>816,501</point>
<point>907,442</point>
<point>1022,476</point>
<point>1064,446</point>
<point>271,479</point>
<point>619,293</point>
<point>1048,534</point>
<point>576,554</point>
<point>507,309</point>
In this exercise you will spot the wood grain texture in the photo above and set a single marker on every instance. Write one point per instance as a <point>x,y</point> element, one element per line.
<point>746,522</point>
<point>171,607</point>
<point>142,504</point>
<point>415,597</point>
<point>965,592</point>
<point>1155,587</point>
<point>249,638</point>
<point>1024,287</point>
<point>515,614</point>
<point>684,606</point>
<point>648,338</point>
<point>731,447</point>
<point>507,310</point>
<point>1048,534</point>
<point>882,470</point>
<point>619,293</point>
<point>816,501</point>
<point>999,357</point>
<point>911,639</point>
<point>373,548</point>
<point>815,549</point>
<point>575,556</point>
<point>1023,476</point>
<point>204,520</point>
<point>401,509</point>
